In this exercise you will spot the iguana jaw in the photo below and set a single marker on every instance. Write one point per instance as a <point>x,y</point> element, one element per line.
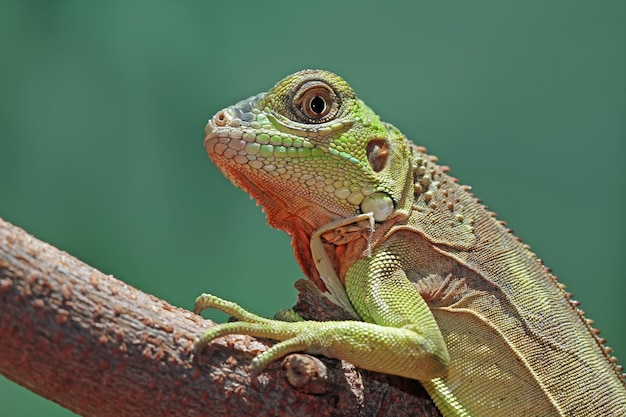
<point>286,208</point>
<point>244,157</point>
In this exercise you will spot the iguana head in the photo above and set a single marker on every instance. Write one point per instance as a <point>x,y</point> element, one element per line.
<point>311,152</point>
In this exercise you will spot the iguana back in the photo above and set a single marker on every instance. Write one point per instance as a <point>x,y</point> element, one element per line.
<point>517,343</point>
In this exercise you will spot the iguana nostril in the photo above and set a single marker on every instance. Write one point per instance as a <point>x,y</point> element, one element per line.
<point>220,118</point>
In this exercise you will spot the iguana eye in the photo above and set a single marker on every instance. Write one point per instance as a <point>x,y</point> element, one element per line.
<point>315,102</point>
<point>377,154</point>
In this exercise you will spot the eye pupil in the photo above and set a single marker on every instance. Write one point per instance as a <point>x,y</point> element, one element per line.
<point>318,105</point>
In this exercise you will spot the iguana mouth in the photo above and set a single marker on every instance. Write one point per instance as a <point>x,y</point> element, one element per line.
<point>244,135</point>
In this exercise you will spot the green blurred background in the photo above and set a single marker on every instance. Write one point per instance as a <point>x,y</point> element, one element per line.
<point>103,105</point>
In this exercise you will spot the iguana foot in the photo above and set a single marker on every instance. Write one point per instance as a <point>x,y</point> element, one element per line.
<point>287,314</point>
<point>295,334</point>
<point>366,345</point>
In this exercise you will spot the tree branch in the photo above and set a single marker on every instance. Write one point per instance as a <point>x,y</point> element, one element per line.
<point>100,347</point>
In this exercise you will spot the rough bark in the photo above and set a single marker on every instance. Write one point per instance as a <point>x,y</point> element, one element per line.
<point>100,347</point>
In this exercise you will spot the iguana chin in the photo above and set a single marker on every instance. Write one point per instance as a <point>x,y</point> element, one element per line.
<point>440,291</point>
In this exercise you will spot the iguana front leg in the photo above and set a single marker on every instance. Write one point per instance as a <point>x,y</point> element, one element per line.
<point>397,320</point>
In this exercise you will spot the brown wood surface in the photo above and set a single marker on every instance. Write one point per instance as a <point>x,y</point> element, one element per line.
<point>102,348</point>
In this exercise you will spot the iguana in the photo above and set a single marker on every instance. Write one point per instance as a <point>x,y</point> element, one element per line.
<point>440,290</point>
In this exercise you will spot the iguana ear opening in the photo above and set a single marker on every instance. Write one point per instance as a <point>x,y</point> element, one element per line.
<point>377,154</point>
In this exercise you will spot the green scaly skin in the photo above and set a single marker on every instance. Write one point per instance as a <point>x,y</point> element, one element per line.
<point>439,289</point>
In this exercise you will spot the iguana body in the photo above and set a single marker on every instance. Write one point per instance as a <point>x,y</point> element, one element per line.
<point>445,294</point>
